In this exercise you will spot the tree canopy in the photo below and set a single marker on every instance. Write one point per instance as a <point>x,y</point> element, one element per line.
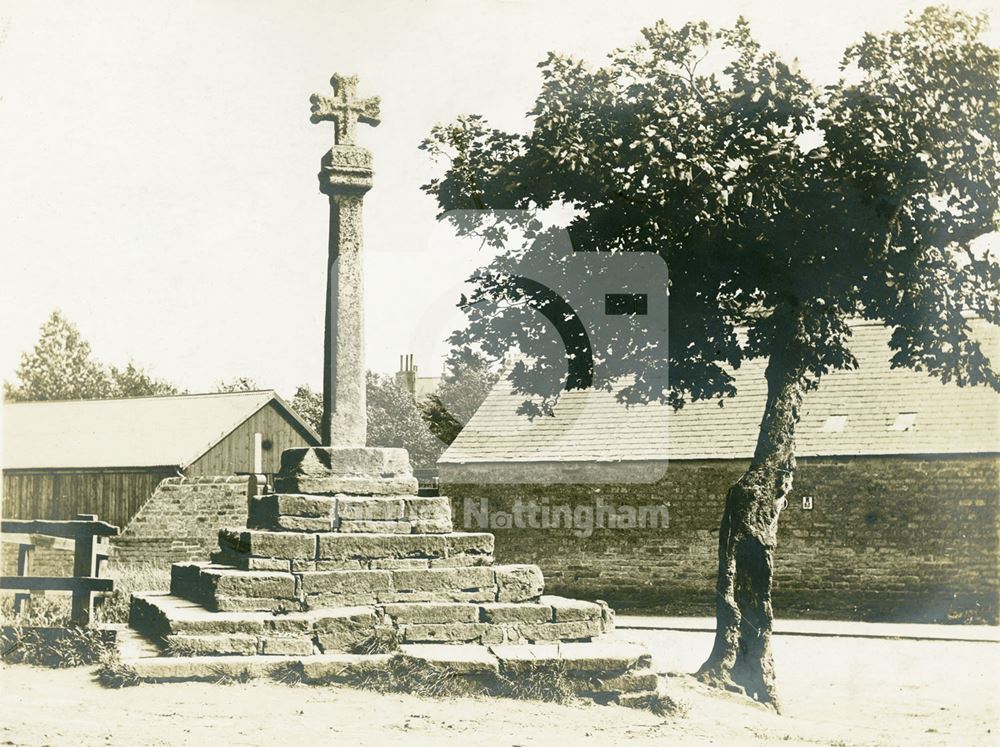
<point>781,208</point>
<point>61,366</point>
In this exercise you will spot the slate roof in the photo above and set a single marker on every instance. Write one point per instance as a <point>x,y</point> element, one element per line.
<point>136,432</point>
<point>874,410</point>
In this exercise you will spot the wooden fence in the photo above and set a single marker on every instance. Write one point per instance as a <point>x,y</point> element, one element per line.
<point>90,551</point>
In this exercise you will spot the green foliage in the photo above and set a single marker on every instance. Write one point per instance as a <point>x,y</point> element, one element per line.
<point>309,405</point>
<point>237,384</point>
<point>61,367</point>
<point>113,673</point>
<point>468,378</point>
<point>395,420</point>
<point>695,144</point>
<point>54,647</point>
<point>133,381</point>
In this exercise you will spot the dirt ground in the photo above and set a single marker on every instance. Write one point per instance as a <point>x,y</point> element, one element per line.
<point>836,691</point>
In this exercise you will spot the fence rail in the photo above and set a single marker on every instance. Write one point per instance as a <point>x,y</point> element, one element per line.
<point>90,552</point>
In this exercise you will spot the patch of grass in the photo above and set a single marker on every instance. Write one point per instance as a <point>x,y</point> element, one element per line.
<point>54,646</point>
<point>661,704</point>
<point>288,674</point>
<point>226,677</point>
<point>129,579</point>
<point>546,682</point>
<point>383,640</point>
<point>113,673</point>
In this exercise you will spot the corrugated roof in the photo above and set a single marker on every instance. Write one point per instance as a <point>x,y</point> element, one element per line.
<point>135,432</point>
<point>851,413</point>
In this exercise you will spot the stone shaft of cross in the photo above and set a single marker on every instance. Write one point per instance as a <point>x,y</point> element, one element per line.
<point>345,176</point>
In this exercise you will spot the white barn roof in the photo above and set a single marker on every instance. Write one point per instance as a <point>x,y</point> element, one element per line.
<point>138,432</point>
<point>875,410</point>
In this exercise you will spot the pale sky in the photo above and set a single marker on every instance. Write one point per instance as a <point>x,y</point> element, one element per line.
<point>159,168</point>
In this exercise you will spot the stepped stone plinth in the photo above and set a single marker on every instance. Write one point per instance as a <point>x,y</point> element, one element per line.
<point>345,559</point>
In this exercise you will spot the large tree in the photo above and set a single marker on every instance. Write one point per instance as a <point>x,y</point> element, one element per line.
<point>782,210</point>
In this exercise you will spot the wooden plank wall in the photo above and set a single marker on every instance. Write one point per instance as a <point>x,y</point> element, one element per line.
<point>114,495</point>
<point>235,452</point>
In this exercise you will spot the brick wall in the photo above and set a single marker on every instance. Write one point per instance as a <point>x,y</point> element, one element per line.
<point>181,520</point>
<point>888,538</point>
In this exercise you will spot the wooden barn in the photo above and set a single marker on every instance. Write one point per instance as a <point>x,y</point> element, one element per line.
<point>106,457</point>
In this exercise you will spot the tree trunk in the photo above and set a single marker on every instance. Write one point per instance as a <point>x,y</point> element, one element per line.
<point>741,656</point>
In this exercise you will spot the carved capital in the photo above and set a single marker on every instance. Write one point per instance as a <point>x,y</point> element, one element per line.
<point>346,169</point>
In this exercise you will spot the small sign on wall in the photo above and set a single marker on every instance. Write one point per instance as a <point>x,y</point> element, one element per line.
<point>807,502</point>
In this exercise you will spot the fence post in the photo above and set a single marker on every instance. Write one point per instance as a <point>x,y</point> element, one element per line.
<point>25,555</point>
<point>83,566</point>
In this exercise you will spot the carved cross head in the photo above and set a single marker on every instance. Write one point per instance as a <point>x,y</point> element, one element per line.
<point>344,108</point>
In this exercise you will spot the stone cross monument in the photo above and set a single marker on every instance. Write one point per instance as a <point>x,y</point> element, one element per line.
<point>345,175</point>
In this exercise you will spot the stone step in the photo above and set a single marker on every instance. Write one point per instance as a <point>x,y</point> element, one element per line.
<point>465,668</point>
<point>250,549</point>
<point>187,628</point>
<point>295,512</point>
<point>224,588</point>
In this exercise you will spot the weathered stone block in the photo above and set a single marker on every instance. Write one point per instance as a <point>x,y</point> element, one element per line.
<point>521,659</point>
<point>339,565</point>
<point>266,544</point>
<point>460,659</point>
<point>560,631</point>
<point>427,508</point>
<point>473,596</point>
<point>339,667</point>
<point>469,542</point>
<point>442,632</point>
<point>572,610</point>
<point>443,579</point>
<point>345,629</point>
<point>461,561</point>
<point>186,581</point>
<point>251,604</point>
<point>369,508</point>
<point>432,612</point>
<point>431,526</point>
<point>347,582</point>
<point>371,526</point>
<point>286,645</point>
<point>327,601</point>
<point>510,612</point>
<point>291,512</point>
<point>212,645</point>
<point>399,563</point>
<point>372,546</point>
<point>604,657</point>
<point>518,583</point>
<point>264,584</point>
<point>630,682</point>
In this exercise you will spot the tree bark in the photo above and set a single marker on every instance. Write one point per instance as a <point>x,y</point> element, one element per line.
<point>741,655</point>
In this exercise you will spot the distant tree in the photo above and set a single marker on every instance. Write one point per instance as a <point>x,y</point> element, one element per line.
<point>395,420</point>
<point>133,381</point>
<point>59,367</point>
<point>237,384</point>
<point>468,378</point>
<point>772,243</point>
<point>309,405</point>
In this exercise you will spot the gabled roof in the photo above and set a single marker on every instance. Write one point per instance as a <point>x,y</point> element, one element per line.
<point>136,432</point>
<point>874,410</point>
